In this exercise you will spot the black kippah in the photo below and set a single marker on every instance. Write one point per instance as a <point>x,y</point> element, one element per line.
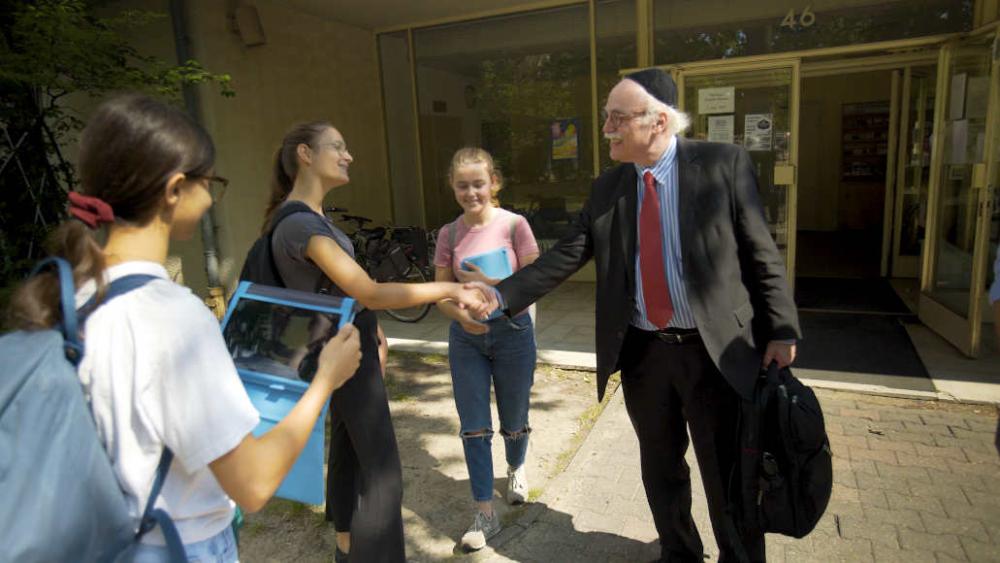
<point>658,83</point>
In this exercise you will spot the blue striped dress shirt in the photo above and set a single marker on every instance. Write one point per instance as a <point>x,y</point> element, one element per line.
<point>665,173</point>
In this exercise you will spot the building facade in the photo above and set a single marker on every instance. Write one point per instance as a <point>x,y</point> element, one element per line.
<point>874,124</point>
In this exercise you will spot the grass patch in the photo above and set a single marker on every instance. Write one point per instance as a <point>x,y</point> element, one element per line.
<point>533,494</point>
<point>585,422</point>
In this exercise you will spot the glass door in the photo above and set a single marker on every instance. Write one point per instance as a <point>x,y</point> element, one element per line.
<point>913,163</point>
<point>755,105</point>
<point>961,224</point>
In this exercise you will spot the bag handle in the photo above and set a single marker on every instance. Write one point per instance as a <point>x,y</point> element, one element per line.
<point>773,372</point>
<point>72,346</point>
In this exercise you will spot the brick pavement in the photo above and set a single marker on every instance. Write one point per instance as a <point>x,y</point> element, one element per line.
<point>914,481</point>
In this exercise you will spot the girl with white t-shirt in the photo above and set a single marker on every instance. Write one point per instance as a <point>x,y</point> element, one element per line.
<point>499,352</point>
<point>156,367</point>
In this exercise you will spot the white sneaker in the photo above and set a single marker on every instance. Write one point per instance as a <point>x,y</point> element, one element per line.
<point>517,485</point>
<point>482,529</point>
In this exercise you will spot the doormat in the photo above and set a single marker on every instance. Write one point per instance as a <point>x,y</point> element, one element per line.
<point>861,348</point>
<point>872,295</point>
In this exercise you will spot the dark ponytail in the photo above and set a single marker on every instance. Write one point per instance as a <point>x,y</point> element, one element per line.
<point>129,149</point>
<point>286,163</point>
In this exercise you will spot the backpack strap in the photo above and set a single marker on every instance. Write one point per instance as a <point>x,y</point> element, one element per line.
<point>284,211</point>
<point>116,288</point>
<point>150,516</point>
<point>452,227</point>
<point>72,346</point>
<point>323,284</point>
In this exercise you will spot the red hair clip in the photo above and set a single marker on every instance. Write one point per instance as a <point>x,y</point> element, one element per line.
<point>93,211</point>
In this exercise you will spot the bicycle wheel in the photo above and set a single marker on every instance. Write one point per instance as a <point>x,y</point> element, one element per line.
<point>413,274</point>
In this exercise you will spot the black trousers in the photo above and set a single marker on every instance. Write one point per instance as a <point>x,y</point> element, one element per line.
<point>666,386</point>
<point>364,482</point>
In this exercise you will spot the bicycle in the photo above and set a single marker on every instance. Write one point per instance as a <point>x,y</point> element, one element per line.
<point>391,255</point>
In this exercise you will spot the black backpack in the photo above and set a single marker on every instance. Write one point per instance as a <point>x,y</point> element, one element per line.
<point>785,473</point>
<point>259,266</point>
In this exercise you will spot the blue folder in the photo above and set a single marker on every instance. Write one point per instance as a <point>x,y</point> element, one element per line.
<point>275,336</point>
<point>493,264</point>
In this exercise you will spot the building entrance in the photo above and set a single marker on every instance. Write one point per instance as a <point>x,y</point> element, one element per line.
<point>843,160</point>
<point>876,171</point>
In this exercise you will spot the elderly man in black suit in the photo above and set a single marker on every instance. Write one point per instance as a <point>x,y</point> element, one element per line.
<point>691,301</point>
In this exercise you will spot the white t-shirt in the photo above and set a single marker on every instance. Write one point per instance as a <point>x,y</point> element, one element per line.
<point>158,373</point>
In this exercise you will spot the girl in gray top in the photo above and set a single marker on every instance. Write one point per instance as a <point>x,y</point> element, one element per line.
<point>364,481</point>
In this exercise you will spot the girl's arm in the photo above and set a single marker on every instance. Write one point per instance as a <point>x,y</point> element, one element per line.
<point>252,471</point>
<point>351,278</point>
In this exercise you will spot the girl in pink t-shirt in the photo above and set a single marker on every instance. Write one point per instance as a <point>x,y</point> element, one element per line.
<point>499,352</point>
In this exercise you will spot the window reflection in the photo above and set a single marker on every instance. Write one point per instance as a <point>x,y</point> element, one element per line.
<point>277,339</point>
<point>616,49</point>
<point>519,86</point>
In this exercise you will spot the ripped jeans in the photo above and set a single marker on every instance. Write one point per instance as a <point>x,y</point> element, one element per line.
<point>504,356</point>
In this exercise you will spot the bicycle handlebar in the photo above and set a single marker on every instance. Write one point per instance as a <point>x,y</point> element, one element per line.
<point>357,219</point>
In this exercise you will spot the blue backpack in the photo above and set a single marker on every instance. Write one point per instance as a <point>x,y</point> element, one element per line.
<point>61,499</point>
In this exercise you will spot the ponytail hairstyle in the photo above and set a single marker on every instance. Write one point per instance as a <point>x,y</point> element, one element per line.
<point>286,162</point>
<point>476,155</point>
<point>129,149</point>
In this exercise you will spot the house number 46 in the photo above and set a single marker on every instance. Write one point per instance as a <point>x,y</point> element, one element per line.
<point>806,19</point>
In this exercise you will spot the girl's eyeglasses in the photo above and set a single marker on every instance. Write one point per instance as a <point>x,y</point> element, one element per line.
<point>216,185</point>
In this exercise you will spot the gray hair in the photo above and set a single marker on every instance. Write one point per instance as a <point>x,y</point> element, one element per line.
<point>677,121</point>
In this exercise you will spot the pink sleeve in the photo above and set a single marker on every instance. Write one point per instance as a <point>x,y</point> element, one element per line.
<point>442,253</point>
<point>524,238</point>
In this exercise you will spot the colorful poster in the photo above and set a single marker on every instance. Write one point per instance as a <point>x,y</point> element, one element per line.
<point>721,128</point>
<point>716,100</point>
<point>758,129</point>
<point>565,145</point>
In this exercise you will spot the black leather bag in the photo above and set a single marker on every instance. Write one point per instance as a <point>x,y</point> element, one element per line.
<point>785,475</point>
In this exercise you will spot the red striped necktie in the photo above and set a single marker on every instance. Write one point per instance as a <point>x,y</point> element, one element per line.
<point>655,292</point>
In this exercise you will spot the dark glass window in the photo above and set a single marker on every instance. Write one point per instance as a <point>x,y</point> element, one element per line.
<point>518,86</point>
<point>687,31</point>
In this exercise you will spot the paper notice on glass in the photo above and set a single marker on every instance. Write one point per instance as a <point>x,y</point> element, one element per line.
<point>976,95</point>
<point>959,141</point>
<point>956,107</point>
<point>721,128</point>
<point>716,100</point>
<point>758,131</point>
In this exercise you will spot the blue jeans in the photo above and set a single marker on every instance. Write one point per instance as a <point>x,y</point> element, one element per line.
<point>220,548</point>
<point>504,356</point>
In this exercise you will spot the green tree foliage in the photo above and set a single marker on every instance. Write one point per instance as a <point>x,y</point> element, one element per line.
<point>52,51</point>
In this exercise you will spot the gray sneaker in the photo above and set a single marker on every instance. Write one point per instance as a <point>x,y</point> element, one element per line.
<point>481,530</point>
<point>517,485</point>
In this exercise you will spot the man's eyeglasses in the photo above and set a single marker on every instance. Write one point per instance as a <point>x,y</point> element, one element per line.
<point>616,118</point>
<point>216,185</point>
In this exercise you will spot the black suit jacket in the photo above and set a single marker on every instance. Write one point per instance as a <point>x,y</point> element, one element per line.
<point>733,273</point>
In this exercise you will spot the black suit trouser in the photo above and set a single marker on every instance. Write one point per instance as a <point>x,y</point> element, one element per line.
<point>364,484</point>
<point>666,386</point>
